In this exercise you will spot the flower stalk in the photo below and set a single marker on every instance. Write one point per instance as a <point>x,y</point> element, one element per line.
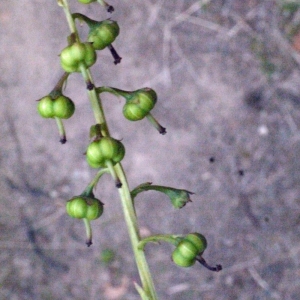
<point>106,153</point>
<point>124,192</point>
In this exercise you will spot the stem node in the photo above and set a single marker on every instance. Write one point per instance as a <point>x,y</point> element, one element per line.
<point>90,86</point>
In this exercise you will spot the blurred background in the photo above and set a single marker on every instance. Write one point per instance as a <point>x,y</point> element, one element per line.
<point>227,76</point>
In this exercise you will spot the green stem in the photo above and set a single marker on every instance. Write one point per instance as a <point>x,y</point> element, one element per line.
<point>71,23</point>
<point>57,90</point>
<point>113,173</point>
<point>141,292</point>
<point>84,18</point>
<point>156,125</point>
<point>61,130</point>
<point>89,189</point>
<point>95,101</point>
<point>132,225</point>
<point>168,238</point>
<point>88,230</point>
<point>117,92</point>
<point>126,200</point>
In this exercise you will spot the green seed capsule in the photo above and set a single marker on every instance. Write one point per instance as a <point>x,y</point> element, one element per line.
<point>95,209</point>
<point>63,107</point>
<point>198,240</point>
<point>93,162</point>
<point>100,151</point>
<point>133,112</point>
<point>94,153</point>
<point>188,249</point>
<point>140,104</point>
<point>181,261</point>
<point>84,207</point>
<point>45,107</point>
<point>103,34</point>
<point>111,149</point>
<point>77,54</point>
<point>77,207</point>
<point>185,254</point>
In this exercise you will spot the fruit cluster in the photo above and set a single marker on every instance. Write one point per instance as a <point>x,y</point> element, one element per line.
<point>62,107</point>
<point>105,152</point>
<point>82,207</point>
<point>106,149</point>
<point>76,56</point>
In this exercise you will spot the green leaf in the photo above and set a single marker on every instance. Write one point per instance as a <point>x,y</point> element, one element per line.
<point>178,197</point>
<point>95,132</point>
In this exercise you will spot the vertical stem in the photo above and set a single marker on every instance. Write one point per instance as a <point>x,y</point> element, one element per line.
<point>71,23</point>
<point>113,173</point>
<point>132,225</point>
<point>126,200</point>
<point>95,101</point>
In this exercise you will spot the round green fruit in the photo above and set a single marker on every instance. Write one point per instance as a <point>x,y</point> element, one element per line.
<point>198,240</point>
<point>45,107</point>
<point>133,112</point>
<point>84,207</point>
<point>100,151</point>
<point>140,104</point>
<point>95,209</point>
<point>188,249</point>
<point>104,34</point>
<point>63,107</point>
<point>77,54</point>
<point>184,254</point>
<point>112,149</point>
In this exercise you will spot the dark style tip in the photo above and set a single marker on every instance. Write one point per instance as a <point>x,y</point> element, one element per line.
<point>162,130</point>
<point>63,140</point>
<point>116,56</point>
<point>110,9</point>
<point>90,86</point>
<point>202,261</point>
<point>89,243</point>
